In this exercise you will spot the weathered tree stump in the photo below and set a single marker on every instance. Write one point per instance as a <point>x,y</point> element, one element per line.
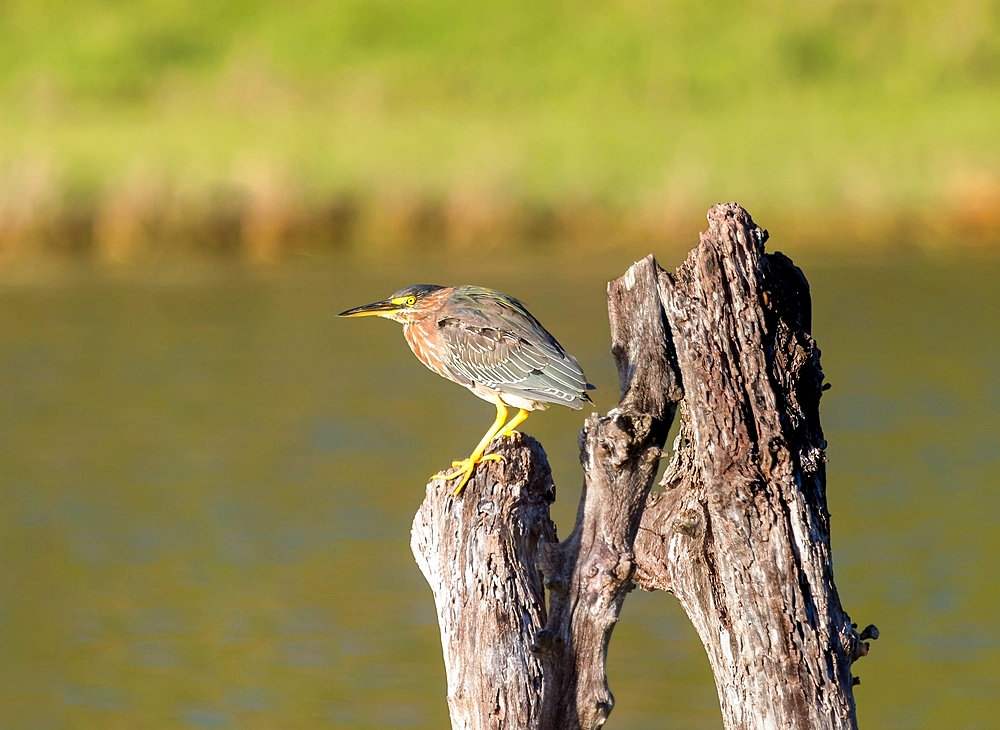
<point>740,535</point>
<point>478,552</point>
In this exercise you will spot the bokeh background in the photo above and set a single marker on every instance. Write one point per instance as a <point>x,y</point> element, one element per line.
<point>207,480</point>
<point>131,129</point>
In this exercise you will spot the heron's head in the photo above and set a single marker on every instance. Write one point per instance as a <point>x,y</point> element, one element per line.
<point>406,305</point>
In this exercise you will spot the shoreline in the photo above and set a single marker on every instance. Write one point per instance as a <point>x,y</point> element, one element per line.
<point>237,224</point>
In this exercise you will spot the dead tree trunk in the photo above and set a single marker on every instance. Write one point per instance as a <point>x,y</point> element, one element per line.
<point>478,553</point>
<point>740,535</point>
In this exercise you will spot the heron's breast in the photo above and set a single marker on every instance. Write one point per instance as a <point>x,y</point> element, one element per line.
<point>422,337</point>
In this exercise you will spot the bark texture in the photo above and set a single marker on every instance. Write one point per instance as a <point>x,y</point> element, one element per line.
<point>740,534</point>
<point>590,573</point>
<point>478,552</point>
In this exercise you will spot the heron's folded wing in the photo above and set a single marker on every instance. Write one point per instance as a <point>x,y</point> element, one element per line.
<point>508,361</point>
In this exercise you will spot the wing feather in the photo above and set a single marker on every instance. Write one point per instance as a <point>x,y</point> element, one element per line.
<point>493,340</point>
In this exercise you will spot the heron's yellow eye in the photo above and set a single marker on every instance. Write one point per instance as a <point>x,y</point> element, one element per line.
<point>410,301</point>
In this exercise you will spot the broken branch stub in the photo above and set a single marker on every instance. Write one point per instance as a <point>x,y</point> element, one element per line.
<point>590,573</point>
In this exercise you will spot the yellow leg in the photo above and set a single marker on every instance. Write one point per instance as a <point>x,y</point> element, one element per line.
<point>467,466</point>
<point>514,423</point>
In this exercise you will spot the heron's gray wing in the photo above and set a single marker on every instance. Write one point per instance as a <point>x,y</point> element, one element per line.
<point>491,339</point>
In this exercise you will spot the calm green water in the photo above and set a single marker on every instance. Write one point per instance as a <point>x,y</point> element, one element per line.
<point>207,482</point>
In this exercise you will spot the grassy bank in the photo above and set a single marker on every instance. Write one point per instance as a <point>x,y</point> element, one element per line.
<point>266,127</point>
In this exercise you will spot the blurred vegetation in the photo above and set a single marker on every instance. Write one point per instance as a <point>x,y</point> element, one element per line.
<point>382,120</point>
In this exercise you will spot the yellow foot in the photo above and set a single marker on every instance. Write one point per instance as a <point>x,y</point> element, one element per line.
<point>464,469</point>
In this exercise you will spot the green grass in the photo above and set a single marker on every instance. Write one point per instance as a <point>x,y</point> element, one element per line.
<point>784,105</point>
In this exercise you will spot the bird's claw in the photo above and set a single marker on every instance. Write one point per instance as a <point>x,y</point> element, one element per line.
<point>463,469</point>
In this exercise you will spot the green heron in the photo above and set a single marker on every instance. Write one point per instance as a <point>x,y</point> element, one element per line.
<point>490,343</point>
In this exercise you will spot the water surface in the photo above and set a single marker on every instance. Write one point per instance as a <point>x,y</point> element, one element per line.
<point>207,482</point>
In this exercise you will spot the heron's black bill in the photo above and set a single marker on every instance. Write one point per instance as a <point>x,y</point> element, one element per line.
<point>369,310</point>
